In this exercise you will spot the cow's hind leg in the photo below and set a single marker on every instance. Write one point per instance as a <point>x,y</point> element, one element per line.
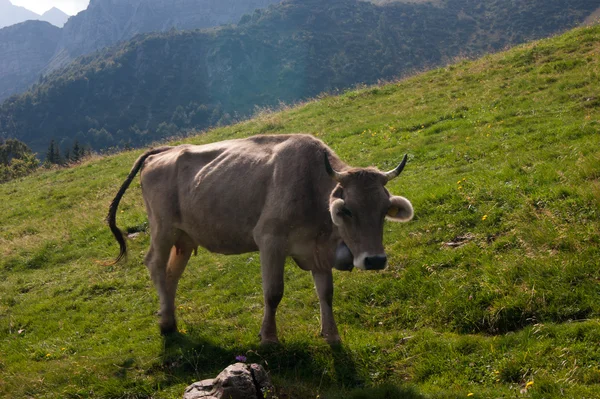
<point>166,261</point>
<point>156,261</point>
<point>272,261</point>
<point>178,259</point>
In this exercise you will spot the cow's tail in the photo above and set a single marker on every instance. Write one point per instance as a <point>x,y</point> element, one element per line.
<point>111,219</point>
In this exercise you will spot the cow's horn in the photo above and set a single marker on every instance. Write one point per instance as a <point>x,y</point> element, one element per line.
<point>337,176</point>
<point>394,173</point>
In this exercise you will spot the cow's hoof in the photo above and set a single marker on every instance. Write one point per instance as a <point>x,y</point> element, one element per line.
<point>168,329</point>
<point>269,340</point>
<point>333,339</point>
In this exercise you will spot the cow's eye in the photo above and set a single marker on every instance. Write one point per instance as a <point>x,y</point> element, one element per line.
<point>345,212</point>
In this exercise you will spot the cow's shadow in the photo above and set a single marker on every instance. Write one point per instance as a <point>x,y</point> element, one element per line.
<point>188,358</point>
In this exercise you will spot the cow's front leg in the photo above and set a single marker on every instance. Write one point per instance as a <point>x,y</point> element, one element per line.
<point>324,286</point>
<point>272,261</point>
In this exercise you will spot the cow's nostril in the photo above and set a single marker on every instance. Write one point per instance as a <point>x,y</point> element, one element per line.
<point>377,262</point>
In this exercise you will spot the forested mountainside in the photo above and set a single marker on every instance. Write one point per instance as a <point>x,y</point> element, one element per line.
<point>106,22</point>
<point>25,49</point>
<point>155,85</point>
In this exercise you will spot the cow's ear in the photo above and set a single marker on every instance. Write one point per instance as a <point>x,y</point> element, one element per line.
<point>400,210</point>
<point>335,208</point>
<point>338,192</point>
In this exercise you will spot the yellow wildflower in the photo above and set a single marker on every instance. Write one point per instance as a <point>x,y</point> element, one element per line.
<point>484,217</point>
<point>529,384</point>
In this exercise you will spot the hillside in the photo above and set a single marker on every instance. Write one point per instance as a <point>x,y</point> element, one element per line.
<point>25,49</point>
<point>106,22</point>
<point>157,85</point>
<point>492,290</point>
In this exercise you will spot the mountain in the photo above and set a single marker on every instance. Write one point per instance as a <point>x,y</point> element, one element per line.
<point>55,16</point>
<point>156,85</point>
<point>106,22</point>
<point>28,42</point>
<point>492,291</point>
<point>11,14</point>
<point>25,49</point>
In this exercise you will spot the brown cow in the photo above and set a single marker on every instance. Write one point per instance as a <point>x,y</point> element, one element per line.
<point>283,195</point>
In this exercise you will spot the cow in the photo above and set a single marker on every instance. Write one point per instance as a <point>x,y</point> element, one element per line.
<point>281,195</point>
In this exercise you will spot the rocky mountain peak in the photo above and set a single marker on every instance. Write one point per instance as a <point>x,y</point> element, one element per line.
<point>55,17</point>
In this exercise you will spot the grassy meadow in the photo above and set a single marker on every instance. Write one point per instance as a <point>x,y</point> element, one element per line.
<point>492,291</point>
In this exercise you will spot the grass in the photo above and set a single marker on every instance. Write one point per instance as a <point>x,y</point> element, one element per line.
<point>492,291</point>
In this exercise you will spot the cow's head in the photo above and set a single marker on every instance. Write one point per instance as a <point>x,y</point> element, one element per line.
<point>358,206</point>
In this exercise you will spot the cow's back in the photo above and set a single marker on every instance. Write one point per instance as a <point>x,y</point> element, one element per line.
<point>223,194</point>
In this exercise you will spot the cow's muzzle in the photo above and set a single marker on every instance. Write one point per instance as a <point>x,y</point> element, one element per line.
<point>370,262</point>
<point>377,262</point>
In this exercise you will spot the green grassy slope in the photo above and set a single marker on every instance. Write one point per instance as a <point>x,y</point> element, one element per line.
<point>493,290</point>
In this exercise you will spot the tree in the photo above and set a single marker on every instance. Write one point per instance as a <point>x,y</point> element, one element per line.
<point>16,160</point>
<point>50,153</point>
<point>166,129</point>
<point>53,154</point>
<point>77,152</point>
